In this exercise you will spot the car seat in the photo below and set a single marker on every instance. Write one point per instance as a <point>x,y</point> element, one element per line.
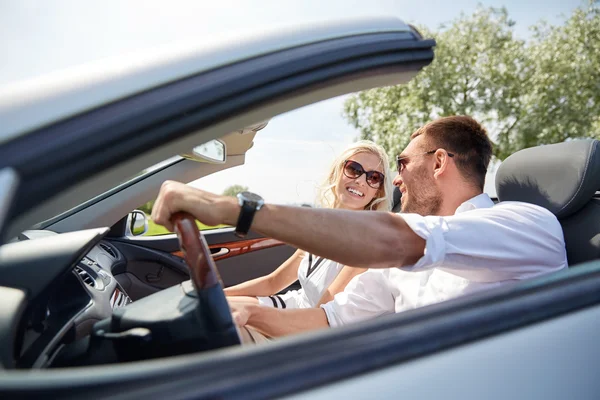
<point>563,178</point>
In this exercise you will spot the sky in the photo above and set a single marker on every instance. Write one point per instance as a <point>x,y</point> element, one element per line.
<point>292,154</point>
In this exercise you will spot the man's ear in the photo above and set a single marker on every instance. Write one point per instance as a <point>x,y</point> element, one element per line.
<point>441,162</point>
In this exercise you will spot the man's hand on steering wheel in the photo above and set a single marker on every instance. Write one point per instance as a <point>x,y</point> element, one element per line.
<point>208,208</point>
<point>206,279</point>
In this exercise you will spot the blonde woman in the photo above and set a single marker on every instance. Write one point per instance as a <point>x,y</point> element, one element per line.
<point>359,179</point>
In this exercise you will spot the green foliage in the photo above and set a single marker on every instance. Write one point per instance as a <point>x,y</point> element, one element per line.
<point>234,190</point>
<point>525,93</point>
<point>154,229</point>
<point>147,207</point>
<point>564,97</point>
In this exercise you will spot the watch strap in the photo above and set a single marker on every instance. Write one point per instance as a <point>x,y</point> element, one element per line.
<point>247,211</point>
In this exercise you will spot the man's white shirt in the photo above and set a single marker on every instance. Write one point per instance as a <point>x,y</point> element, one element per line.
<point>483,245</point>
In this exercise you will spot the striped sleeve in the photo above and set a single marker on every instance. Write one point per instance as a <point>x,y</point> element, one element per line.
<point>275,301</point>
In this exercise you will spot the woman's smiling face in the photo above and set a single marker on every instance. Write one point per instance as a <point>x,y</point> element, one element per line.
<point>355,193</point>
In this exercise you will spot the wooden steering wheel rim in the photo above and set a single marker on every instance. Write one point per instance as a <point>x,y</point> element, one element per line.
<point>203,270</point>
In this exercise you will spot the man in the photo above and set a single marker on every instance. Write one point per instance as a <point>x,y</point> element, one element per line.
<point>450,239</point>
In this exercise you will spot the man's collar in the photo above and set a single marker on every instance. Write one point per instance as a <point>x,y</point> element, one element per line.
<point>479,201</point>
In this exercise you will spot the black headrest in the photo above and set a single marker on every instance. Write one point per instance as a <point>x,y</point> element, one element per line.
<point>397,194</point>
<point>561,177</point>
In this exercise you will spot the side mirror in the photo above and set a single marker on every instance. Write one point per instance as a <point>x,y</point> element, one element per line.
<point>137,223</point>
<point>214,152</point>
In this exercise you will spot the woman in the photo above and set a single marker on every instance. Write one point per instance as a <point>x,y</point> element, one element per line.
<point>359,179</point>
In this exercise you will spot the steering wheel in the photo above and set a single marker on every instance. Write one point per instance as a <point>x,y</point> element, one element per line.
<point>182,319</point>
<point>197,255</point>
<point>206,280</point>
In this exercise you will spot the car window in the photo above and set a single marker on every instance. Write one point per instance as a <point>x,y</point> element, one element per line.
<point>288,161</point>
<point>154,229</point>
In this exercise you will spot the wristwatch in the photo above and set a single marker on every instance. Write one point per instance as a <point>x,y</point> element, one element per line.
<point>250,203</point>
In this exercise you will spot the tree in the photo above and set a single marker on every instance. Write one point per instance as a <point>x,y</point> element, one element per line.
<point>147,207</point>
<point>564,97</point>
<point>234,190</point>
<point>514,88</point>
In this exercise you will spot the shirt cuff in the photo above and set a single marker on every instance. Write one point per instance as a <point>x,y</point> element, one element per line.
<point>330,314</point>
<point>431,229</point>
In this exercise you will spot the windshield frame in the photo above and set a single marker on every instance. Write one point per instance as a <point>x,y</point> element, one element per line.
<point>156,168</point>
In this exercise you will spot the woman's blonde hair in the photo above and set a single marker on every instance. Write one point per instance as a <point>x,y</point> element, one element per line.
<point>328,197</point>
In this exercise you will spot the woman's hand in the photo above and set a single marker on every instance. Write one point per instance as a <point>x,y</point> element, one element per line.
<point>241,312</point>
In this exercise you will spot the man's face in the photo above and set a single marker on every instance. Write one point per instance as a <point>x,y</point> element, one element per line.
<point>420,193</point>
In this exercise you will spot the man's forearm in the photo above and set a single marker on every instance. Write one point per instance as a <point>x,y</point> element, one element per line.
<point>368,239</point>
<point>358,238</point>
<point>276,322</point>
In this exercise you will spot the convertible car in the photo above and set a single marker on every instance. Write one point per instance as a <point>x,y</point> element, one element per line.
<point>92,307</point>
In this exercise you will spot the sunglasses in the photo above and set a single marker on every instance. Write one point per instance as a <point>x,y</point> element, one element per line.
<point>354,170</point>
<point>402,161</point>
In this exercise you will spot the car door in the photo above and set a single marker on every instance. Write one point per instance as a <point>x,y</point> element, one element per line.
<point>155,263</point>
<point>247,83</point>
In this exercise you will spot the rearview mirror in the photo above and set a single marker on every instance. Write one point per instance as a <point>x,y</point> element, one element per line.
<point>214,152</point>
<point>137,223</point>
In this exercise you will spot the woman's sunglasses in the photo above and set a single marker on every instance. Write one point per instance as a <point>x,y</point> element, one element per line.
<point>354,170</point>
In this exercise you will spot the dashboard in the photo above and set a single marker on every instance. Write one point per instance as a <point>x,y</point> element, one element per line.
<point>69,288</point>
<point>63,307</point>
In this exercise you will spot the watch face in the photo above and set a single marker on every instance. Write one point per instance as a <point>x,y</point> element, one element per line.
<point>253,197</point>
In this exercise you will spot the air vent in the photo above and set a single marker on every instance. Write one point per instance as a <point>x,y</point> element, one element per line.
<point>119,299</point>
<point>85,277</point>
<point>108,249</point>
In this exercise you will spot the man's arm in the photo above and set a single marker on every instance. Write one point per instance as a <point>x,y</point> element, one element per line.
<point>510,241</point>
<point>275,322</point>
<point>367,296</point>
<point>357,238</point>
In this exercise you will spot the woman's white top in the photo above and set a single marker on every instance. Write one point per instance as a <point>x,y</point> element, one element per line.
<point>315,275</point>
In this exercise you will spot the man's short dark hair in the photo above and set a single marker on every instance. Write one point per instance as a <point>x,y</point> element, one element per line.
<point>464,137</point>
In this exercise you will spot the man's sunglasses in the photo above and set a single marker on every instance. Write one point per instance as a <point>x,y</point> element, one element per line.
<point>354,170</point>
<point>401,161</point>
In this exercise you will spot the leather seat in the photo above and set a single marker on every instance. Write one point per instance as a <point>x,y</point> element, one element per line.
<point>563,178</point>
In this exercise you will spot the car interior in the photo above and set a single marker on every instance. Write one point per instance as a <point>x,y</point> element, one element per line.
<point>89,305</point>
<point>144,266</point>
<point>563,178</point>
